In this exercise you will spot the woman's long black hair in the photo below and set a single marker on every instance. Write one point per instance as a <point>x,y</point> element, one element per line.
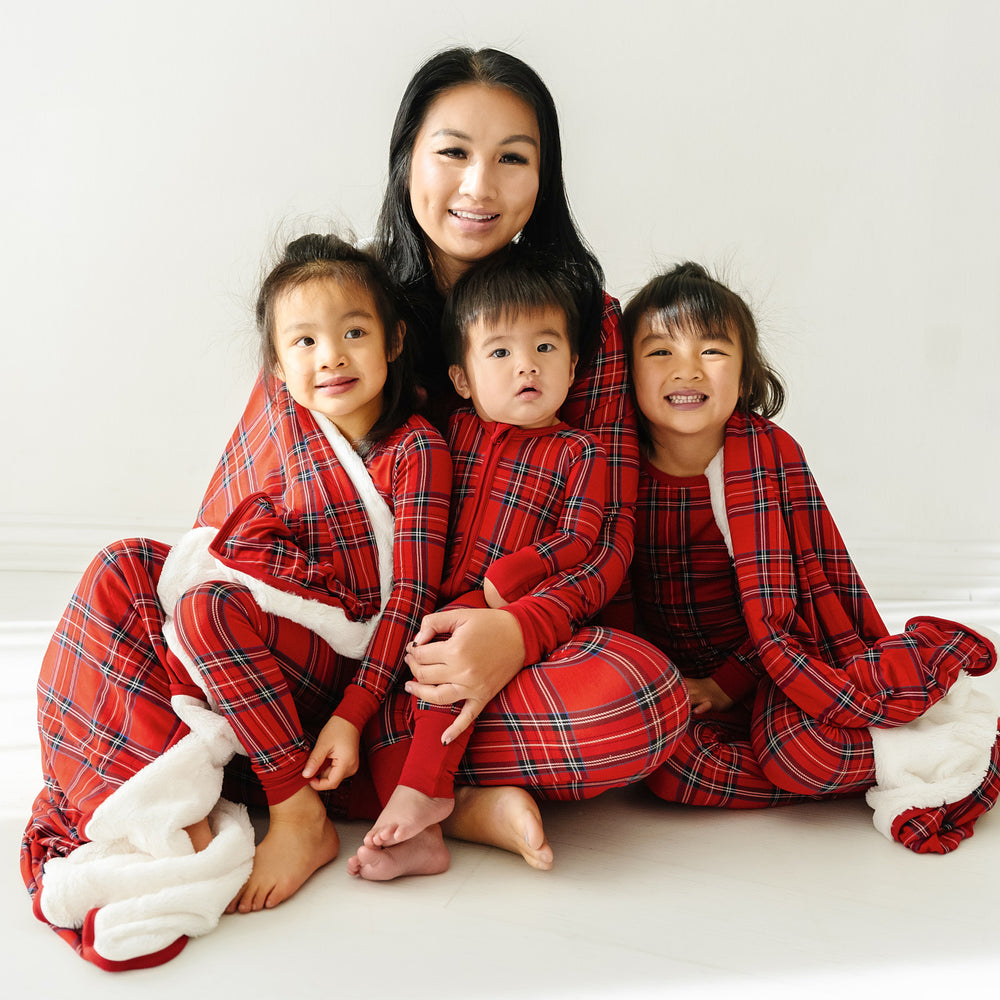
<point>399,240</point>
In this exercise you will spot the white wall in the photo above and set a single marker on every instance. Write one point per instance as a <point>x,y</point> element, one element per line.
<point>838,161</point>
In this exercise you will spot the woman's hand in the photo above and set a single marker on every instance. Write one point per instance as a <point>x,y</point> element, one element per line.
<point>705,696</point>
<point>483,652</point>
<point>337,747</point>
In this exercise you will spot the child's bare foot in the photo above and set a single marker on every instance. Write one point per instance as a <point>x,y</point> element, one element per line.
<point>405,814</point>
<point>504,817</point>
<point>300,840</point>
<point>423,854</point>
<point>200,834</point>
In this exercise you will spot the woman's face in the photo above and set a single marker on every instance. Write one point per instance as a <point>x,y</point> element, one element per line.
<point>473,176</point>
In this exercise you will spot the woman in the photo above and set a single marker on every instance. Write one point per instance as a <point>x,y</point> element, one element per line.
<point>474,163</point>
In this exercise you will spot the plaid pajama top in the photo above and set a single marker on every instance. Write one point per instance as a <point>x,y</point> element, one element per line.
<point>305,531</point>
<point>526,505</point>
<point>599,401</point>
<point>683,584</point>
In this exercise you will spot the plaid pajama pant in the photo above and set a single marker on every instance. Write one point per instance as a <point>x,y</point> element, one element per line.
<point>767,754</point>
<point>275,681</point>
<point>604,710</point>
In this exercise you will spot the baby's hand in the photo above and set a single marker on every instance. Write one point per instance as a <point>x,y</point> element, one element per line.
<point>492,596</point>
<point>335,756</point>
<point>706,696</point>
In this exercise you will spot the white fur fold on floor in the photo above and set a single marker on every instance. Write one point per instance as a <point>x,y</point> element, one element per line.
<point>139,868</point>
<point>937,759</point>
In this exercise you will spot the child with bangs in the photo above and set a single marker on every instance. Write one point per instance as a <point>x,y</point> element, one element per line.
<point>273,634</point>
<point>742,578</point>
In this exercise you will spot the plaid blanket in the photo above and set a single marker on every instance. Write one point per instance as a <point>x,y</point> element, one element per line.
<point>116,720</point>
<point>814,625</point>
<point>820,639</point>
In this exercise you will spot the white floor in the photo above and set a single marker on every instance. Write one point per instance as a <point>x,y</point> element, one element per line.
<point>645,899</point>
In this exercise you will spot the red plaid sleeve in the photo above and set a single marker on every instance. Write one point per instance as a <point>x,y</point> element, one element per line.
<point>413,471</point>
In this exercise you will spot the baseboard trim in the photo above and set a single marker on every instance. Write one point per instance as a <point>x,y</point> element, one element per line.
<point>898,570</point>
<point>49,545</point>
<point>929,570</point>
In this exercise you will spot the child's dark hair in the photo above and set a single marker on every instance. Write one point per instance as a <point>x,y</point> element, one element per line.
<point>328,256</point>
<point>514,281</point>
<point>688,299</point>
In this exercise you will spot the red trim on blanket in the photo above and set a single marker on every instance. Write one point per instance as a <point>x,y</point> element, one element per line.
<point>139,962</point>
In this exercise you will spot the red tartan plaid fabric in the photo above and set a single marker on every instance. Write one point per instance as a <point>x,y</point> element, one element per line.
<point>103,701</point>
<point>814,626</point>
<point>606,709</point>
<point>275,681</point>
<point>320,544</point>
<point>599,401</point>
<point>525,504</point>
<point>831,669</point>
<point>942,829</point>
<point>683,586</point>
<point>107,676</point>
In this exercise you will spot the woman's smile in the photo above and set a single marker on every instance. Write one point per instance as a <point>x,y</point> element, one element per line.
<point>473,175</point>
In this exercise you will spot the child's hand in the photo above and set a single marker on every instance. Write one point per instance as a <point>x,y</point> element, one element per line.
<point>335,756</point>
<point>492,596</point>
<point>706,696</point>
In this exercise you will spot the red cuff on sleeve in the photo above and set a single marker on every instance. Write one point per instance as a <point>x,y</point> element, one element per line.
<point>735,679</point>
<point>357,706</point>
<point>541,630</point>
<point>517,574</point>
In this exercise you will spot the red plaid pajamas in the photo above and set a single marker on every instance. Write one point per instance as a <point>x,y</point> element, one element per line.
<point>526,504</point>
<point>598,707</point>
<point>262,670</point>
<point>798,618</point>
<point>107,677</point>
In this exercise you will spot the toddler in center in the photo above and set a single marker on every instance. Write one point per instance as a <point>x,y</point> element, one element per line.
<point>528,500</point>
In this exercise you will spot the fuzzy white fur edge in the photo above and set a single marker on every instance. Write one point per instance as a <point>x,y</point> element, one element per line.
<point>937,759</point>
<point>138,866</point>
<point>189,563</point>
<point>715,473</point>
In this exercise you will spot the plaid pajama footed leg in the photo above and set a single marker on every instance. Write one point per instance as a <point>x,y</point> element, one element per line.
<point>275,681</point>
<point>604,710</point>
